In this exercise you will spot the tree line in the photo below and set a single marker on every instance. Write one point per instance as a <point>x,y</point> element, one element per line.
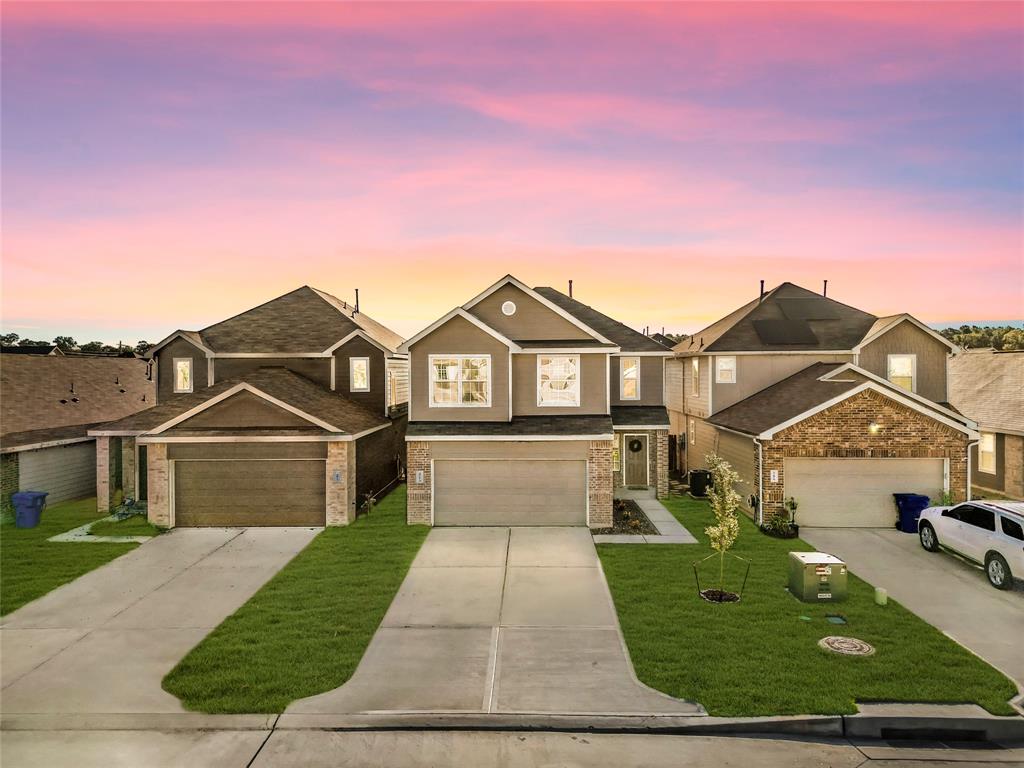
<point>984,336</point>
<point>68,344</point>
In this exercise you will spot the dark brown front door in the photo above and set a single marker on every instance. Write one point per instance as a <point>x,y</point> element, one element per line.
<point>636,460</point>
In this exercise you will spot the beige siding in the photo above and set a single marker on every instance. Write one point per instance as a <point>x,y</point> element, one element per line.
<point>165,368</point>
<point>704,444</point>
<point>458,336</point>
<point>741,453</point>
<point>399,370</point>
<point>316,369</point>
<point>243,410</point>
<point>64,472</point>
<point>652,381</point>
<point>593,392</point>
<point>531,321</point>
<point>696,405</point>
<point>674,397</point>
<point>906,338</point>
<point>755,372</point>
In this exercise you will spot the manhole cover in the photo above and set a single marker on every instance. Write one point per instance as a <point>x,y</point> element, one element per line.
<point>848,646</point>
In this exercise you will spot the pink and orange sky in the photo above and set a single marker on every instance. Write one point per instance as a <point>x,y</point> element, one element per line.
<point>169,165</point>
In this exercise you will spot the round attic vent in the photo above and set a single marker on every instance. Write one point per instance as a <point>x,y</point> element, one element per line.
<point>508,308</point>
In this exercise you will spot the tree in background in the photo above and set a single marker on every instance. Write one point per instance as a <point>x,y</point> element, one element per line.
<point>9,339</point>
<point>141,347</point>
<point>986,336</point>
<point>33,343</point>
<point>65,343</point>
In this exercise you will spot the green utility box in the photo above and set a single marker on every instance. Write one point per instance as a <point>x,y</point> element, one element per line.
<point>816,577</point>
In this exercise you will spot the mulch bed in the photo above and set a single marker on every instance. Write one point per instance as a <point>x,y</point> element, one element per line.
<point>628,518</point>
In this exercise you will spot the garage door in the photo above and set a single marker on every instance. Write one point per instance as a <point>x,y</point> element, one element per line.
<point>249,492</point>
<point>857,493</point>
<point>510,492</point>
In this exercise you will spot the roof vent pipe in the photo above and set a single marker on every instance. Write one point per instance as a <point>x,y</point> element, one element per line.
<point>761,297</point>
<point>824,289</point>
<point>570,289</point>
<point>356,310</point>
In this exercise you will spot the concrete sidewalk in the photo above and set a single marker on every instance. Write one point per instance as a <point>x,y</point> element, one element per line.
<point>103,643</point>
<point>497,620</point>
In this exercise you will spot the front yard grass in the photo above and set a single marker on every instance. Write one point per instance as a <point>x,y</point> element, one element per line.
<point>305,631</point>
<point>758,656</point>
<point>31,566</point>
<point>136,525</point>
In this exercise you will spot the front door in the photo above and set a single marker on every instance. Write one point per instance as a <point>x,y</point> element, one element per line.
<point>636,460</point>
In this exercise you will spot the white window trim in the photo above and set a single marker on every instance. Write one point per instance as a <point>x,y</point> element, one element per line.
<point>695,377</point>
<point>579,385</point>
<point>913,369</point>
<point>617,454</point>
<point>993,453</point>
<point>460,358</point>
<point>622,377</point>
<point>692,434</point>
<point>718,369</point>
<point>191,374</point>
<point>351,374</point>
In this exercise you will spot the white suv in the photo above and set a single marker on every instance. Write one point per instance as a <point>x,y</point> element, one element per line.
<point>989,533</point>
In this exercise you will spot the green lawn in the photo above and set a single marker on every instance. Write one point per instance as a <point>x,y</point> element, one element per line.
<point>136,525</point>
<point>759,657</point>
<point>31,566</point>
<point>305,631</point>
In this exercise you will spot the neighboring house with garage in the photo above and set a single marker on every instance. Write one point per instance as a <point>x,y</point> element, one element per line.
<point>288,414</point>
<point>48,402</point>
<point>814,400</point>
<point>988,386</point>
<point>528,407</point>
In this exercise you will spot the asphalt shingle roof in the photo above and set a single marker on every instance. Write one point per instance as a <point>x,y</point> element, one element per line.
<point>988,387</point>
<point>627,339</point>
<point>640,415</point>
<point>519,426</point>
<point>15,440</point>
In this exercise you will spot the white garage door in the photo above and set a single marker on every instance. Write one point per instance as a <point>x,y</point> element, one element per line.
<point>510,492</point>
<point>857,493</point>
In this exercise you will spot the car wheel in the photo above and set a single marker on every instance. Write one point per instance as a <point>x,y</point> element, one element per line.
<point>998,571</point>
<point>928,538</point>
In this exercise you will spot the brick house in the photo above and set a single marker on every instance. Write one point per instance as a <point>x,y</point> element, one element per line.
<point>821,402</point>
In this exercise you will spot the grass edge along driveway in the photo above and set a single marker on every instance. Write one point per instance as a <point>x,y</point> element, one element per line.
<point>306,629</point>
<point>759,657</point>
<point>31,566</point>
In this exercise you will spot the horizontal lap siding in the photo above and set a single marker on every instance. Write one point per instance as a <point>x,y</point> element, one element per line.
<point>64,472</point>
<point>741,453</point>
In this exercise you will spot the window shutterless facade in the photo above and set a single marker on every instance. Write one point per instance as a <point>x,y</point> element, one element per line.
<point>359,374</point>
<point>987,453</point>
<point>183,374</point>
<point>558,380</point>
<point>616,455</point>
<point>902,371</point>
<point>460,381</point>
<point>695,376</point>
<point>725,370</point>
<point>629,378</point>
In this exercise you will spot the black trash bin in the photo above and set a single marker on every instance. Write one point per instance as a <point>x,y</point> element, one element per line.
<point>28,508</point>
<point>910,506</point>
<point>700,481</point>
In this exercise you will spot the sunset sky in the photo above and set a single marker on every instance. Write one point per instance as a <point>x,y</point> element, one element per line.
<point>169,165</point>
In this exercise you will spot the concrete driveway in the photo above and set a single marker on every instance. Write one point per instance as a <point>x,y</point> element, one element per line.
<point>103,643</point>
<point>941,589</point>
<point>497,620</point>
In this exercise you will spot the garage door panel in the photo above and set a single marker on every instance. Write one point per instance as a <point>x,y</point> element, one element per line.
<point>857,493</point>
<point>510,492</point>
<point>249,493</point>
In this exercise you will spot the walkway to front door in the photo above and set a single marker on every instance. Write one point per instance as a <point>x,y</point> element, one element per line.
<point>499,620</point>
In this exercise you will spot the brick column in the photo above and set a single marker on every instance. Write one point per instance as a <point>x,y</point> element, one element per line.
<point>158,485</point>
<point>103,490</point>
<point>339,486</point>
<point>128,466</point>
<point>1013,463</point>
<point>418,501</point>
<point>662,463</point>
<point>599,483</point>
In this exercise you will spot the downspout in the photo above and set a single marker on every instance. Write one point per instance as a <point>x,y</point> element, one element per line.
<point>760,481</point>
<point>970,445</point>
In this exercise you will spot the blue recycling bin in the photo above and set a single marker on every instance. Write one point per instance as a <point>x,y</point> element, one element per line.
<point>910,506</point>
<point>28,508</point>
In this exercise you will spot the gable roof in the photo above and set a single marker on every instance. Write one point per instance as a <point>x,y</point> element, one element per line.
<point>377,332</point>
<point>784,320</point>
<point>625,337</point>
<point>469,318</point>
<point>988,386</point>
<point>885,324</point>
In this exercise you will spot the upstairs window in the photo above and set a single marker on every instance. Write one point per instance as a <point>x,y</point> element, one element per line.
<point>725,370</point>
<point>902,371</point>
<point>359,374</point>
<point>987,453</point>
<point>558,380</point>
<point>695,376</point>
<point>460,381</point>
<point>183,374</point>
<point>629,380</point>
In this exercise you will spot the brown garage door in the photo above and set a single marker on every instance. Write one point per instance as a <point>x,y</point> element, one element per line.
<point>857,493</point>
<point>510,492</point>
<point>249,492</point>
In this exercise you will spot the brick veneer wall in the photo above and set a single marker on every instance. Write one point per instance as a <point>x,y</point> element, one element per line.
<point>842,432</point>
<point>340,494</point>
<point>103,490</point>
<point>8,479</point>
<point>128,466</point>
<point>418,499</point>
<point>158,489</point>
<point>600,486</point>
<point>1013,463</point>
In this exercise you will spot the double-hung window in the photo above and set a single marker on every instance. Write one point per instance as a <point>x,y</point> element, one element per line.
<point>629,379</point>
<point>460,381</point>
<point>359,374</point>
<point>987,453</point>
<point>725,370</point>
<point>902,370</point>
<point>695,376</point>
<point>183,374</point>
<point>558,380</point>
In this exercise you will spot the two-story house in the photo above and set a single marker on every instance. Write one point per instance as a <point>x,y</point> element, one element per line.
<point>528,407</point>
<point>817,401</point>
<point>287,414</point>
